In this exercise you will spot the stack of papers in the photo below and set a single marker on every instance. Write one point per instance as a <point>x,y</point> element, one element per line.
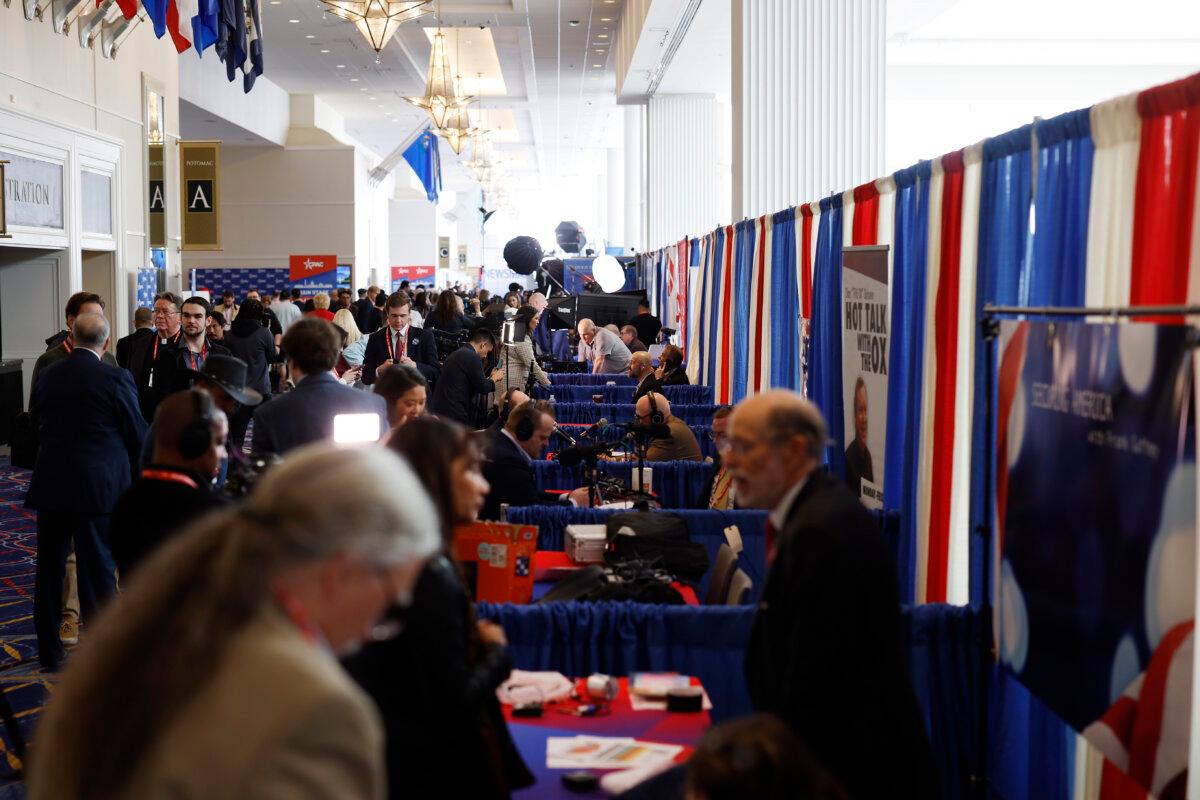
<point>605,752</point>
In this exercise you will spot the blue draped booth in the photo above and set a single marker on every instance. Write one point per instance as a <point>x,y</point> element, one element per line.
<point>677,483</point>
<point>612,433</point>
<point>684,395</point>
<point>588,379</point>
<point>696,414</point>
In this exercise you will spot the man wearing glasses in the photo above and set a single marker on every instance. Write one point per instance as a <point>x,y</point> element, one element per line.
<point>718,489</point>
<point>824,653</point>
<point>168,307</point>
<point>653,409</point>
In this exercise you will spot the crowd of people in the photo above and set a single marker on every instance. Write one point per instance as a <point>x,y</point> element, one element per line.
<point>323,616</point>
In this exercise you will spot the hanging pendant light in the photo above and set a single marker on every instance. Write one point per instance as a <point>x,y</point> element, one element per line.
<point>441,92</point>
<point>457,131</point>
<point>378,20</point>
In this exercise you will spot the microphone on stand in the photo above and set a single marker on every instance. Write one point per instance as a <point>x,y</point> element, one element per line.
<point>570,439</point>
<point>595,428</point>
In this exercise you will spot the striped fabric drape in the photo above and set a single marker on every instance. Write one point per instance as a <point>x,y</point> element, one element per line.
<point>826,365</point>
<point>741,332</point>
<point>758,371</point>
<point>784,300</point>
<point>905,360</point>
<point>1058,271</point>
<point>1164,220</point>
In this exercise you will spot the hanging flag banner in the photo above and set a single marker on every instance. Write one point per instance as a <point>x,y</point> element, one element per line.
<point>301,267</point>
<point>315,274</point>
<point>414,275</point>
<point>157,198</point>
<point>199,169</point>
<point>1096,521</point>
<point>865,331</point>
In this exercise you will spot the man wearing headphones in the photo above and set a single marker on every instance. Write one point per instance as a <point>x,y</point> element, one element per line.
<point>680,444</point>
<point>508,465</point>
<point>175,489</point>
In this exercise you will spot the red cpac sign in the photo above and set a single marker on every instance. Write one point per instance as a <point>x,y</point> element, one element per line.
<point>301,267</point>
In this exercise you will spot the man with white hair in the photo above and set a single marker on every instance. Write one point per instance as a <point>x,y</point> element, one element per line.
<point>90,431</point>
<point>824,653</point>
<point>602,348</point>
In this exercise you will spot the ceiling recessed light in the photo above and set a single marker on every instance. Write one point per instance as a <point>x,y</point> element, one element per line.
<point>309,36</point>
<point>370,98</point>
<point>597,66</point>
<point>324,51</point>
<point>606,19</point>
<point>341,66</point>
<point>294,21</point>
<point>602,36</point>
<point>574,23</point>
<point>355,80</point>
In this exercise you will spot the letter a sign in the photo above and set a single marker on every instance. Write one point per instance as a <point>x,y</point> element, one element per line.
<point>199,168</point>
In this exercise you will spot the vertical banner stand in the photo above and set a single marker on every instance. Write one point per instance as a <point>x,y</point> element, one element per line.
<point>990,329</point>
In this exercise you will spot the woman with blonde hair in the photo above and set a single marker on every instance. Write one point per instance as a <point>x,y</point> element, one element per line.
<point>321,307</point>
<point>215,673</point>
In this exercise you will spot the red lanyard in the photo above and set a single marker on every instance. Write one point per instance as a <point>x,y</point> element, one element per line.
<point>203,355</point>
<point>296,613</point>
<point>67,344</point>
<point>156,338</point>
<point>388,339</point>
<point>167,475</point>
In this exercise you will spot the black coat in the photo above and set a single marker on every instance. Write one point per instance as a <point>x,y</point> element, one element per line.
<point>90,433</point>
<point>126,344</point>
<point>367,315</point>
<point>648,384</point>
<point>422,348</point>
<point>255,345</point>
<point>436,692</point>
<point>144,360</point>
<point>824,653</point>
<point>151,511</point>
<point>170,370</point>
<point>647,326</point>
<point>510,476</point>
<point>305,414</point>
<point>460,382</point>
<point>677,377</point>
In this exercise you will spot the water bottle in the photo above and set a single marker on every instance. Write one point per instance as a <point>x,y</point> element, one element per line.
<point>552,398</point>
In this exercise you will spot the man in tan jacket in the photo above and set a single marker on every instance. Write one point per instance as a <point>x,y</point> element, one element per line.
<point>654,409</point>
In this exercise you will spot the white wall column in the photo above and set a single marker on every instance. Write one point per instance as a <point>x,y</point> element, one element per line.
<point>808,99</point>
<point>635,178</point>
<point>617,199</point>
<point>682,164</point>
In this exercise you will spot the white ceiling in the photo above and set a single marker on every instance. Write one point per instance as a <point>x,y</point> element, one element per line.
<point>556,111</point>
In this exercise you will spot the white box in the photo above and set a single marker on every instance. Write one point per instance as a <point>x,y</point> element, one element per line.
<point>585,544</point>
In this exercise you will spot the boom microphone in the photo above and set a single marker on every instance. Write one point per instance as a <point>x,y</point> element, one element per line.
<point>595,428</point>
<point>570,439</point>
<point>577,455</point>
<point>653,431</point>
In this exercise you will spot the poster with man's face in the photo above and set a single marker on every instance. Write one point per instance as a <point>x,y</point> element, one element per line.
<point>865,331</point>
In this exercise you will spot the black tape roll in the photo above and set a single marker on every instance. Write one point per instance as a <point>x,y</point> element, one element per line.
<point>687,699</point>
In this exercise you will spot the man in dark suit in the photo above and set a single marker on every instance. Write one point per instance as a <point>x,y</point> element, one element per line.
<point>642,371</point>
<point>146,354</point>
<point>647,324</point>
<point>175,367</point>
<point>305,414</point>
<point>143,326</point>
<point>399,342</point>
<point>59,346</point>
<point>366,313</point>
<point>508,464</point>
<point>824,652</point>
<point>175,488</point>
<point>859,464</point>
<point>90,429</point>
<point>461,380</point>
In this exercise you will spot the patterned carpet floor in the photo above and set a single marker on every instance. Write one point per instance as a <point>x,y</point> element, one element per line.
<point>21,679</point>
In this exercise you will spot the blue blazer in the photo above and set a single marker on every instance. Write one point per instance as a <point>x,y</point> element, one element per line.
<point>90,431</point>
<point>305,414</point>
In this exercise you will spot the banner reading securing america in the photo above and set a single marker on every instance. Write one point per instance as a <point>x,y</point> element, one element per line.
<point>1096,516</point>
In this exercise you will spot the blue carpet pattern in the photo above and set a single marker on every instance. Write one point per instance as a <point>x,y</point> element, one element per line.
<point>21,679</point>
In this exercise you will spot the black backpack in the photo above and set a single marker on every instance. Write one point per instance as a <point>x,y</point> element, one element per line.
<point>658,540</point>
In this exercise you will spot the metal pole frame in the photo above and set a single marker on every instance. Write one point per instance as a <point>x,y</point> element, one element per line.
<point>4,234</point>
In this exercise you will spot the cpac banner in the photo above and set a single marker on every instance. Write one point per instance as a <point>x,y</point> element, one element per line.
<point>1096,515</point>
<point>864,368</point>
<point>414,275</point>
<point>315,274</point>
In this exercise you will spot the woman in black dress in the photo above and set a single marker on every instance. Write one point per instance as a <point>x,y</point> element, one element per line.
<point>435,683</point>
<point>253,343</point>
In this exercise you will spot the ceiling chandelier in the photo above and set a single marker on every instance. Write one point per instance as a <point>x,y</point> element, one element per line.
<point>442,94</point>
<point>378,20</point>
<point>457,130</point>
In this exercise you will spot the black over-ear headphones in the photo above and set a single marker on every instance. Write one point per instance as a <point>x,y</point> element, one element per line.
<point>195,439</point>
<point>656,416</point>
<point>524,429</point>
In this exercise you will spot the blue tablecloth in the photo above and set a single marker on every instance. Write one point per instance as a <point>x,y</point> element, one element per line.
<point>588,379</point>
<point>685,395</point>
<point>945,646</point>
<point>692,414</point>
<point>705,527</point>
<point>677,483</point>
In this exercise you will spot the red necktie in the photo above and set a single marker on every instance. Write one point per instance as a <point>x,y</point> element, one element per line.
<point>771,532</point>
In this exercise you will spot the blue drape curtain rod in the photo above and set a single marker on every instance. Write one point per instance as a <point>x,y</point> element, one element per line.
<point>1104,311</point>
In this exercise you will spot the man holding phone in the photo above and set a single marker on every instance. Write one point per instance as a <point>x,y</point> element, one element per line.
<point>399,342</point>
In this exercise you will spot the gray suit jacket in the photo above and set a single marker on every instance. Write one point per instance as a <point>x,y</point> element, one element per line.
<point>278,719</point>
<point>305,414</point>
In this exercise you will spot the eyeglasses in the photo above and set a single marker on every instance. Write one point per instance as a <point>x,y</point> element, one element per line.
<point>164,312</point>
<point>738,447</point>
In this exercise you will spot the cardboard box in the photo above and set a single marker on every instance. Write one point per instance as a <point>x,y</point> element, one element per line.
<point>497,559</point>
